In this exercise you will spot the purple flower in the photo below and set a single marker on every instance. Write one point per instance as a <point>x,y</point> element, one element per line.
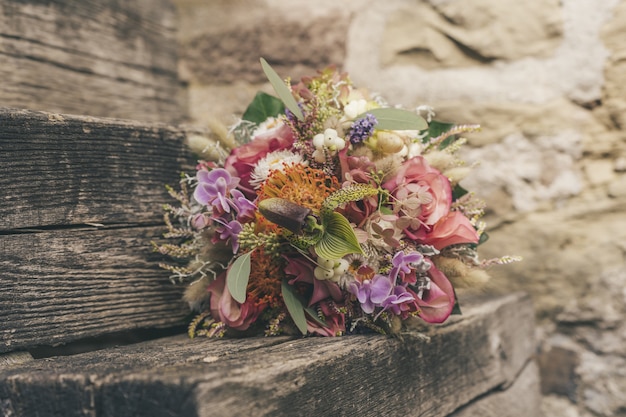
<point>404,262</point>
<point>372,294</point>
<point>245,208</point>
<point>362,129</point>
<point>230,231</point>
<point>200,221</point>
<point>214,188</point>
<point>393,302</point>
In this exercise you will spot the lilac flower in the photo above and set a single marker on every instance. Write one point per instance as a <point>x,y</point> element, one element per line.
<point>244,207</point>
<point>362,129</point>
<point>214,188</point>
<point>230,231</point>
<point>372,294</point>
<point>400,295</point>
<point>404,262</point>
<point>200,221</point>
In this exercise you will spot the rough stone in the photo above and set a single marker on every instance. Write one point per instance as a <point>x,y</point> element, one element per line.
<point>614,90</point>
<point>558,371</point>
<point>543,170</point>
<point>563,250</point>
<point>617,187</point>
<point>244,31</point>
<point>557,406</point>
<point>453,35</point>
<point>501,119</point>
<point>599,171</point>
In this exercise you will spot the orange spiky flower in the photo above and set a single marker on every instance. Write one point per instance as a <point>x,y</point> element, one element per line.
<point>264,285</point>
<point>299,184</point>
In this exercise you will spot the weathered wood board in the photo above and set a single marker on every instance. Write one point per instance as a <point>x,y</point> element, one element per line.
<point>81,200</point>
<point>487,348</point>
<point>104,58</point>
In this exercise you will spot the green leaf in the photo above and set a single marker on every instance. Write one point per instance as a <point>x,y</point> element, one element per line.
<point>237,277</point>
<point>338,239</point>
<point>457,307</point>
<point>294,306</point>
<point>483,238</point>
<point>390,118</point>
<point>435,129</point>
<point>284,93</point>
<point>311,313</point>
<point>458,192</point>
<point>263,106</point>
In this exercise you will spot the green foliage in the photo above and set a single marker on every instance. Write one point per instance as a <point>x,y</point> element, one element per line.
<point>238,276</point>
<point>311,313</point>
<point>390,118</point>
<point>436,129</point>
<point>294,306</point>
<point>283,92</point>
<point>352,192</point>
<point>338,239</point>
<point>458,192</point>
<point>263,106</point>
<point>483,238</point>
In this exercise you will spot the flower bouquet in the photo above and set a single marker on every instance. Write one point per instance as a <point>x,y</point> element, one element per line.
<point>334,214</point>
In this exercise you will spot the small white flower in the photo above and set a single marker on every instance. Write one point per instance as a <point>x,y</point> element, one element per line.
<point>276,160</point>
<point>330,141</point>
<point>330,269</point>
<point>354,108</point>
<point>270,123</point>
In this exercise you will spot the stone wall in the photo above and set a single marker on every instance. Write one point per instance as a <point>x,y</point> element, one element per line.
<point>547,81</point>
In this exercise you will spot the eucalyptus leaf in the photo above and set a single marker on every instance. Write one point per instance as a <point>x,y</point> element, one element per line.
<point>238,276</point>
<point>390,118</point>
<point>262,107</point>
<point>294,306</point>
<point>311,313</point>
<point>338,239</point>
<point>284,93</point>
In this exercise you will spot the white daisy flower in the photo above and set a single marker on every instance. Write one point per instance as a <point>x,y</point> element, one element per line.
<point>276,160</point>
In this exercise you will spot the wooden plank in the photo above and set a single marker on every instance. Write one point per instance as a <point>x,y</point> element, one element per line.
<point>60,278</point>
<point>367,375</point>
<point>522,399</point>
<point>104,58</point>
<point>64,170</point>
<point>64,285</point>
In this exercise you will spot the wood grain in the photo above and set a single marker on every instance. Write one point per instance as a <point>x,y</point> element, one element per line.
<point>64,170</point>
<point>60,278</point>
<point>356,375</point>
<point>65,285</point>
<point>98,57</point>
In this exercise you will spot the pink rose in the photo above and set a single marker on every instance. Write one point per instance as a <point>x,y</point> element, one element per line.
<point>452,229</point>
<point>436,302</point>
<point>224,307</point>
<point>421,195</point>
<point>242,159</point>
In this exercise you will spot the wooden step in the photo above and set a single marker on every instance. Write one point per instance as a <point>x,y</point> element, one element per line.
<point>104,58</point>
<point>81,200</point>
<point>477,364</point>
